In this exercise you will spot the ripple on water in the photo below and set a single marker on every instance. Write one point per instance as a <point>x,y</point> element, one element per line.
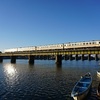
<point>43,81</point>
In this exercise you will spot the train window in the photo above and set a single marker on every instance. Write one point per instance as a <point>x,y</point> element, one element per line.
<point>92,42</point>
<point>86,43</point>
<point>65,45</point>
<point>83,43</point>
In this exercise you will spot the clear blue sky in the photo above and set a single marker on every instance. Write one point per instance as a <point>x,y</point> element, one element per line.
<point>40,22</point>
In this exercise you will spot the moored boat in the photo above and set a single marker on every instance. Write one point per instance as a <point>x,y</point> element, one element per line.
<point>98,73</point>
<point>82,87</point>
<point>98,90</point>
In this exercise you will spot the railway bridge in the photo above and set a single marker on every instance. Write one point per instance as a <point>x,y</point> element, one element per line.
<point>70,54</point>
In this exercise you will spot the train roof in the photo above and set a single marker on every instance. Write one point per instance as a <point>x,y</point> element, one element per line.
<point>85,41</point>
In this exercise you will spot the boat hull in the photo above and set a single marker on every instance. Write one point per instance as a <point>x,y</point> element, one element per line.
<point>98,73</point>
<point>98,90</point>
<point>82,87</point>
<point>98,93</point>
<point>82,96</point>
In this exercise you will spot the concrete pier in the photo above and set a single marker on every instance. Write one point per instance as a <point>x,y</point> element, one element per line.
<point>82,57</point>
<point>96,57</point>
<point>13,59</point>
<point>76,57</point>
<point>1,59</point>
<point>59,59</point>
<point>66,57</point>
<point>31,59</point>
<point>89,57</point>
<point>71,57</point>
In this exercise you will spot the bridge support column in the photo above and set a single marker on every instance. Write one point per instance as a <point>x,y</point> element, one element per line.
<point>71,57</point>
<point>82,57</point>
<point>59,59</point>
<point>13,59</point>
<point>66,57</point>
<point>96,57</point>
<point>89,57</point>
<point>76,57</point>
<point>1,59</point>
<point>31,59</point>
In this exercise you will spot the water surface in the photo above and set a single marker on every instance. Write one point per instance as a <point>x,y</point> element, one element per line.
<point>44,80</point>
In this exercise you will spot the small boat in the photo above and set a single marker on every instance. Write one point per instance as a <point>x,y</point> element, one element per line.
<point>82,87</point>
<point>98,90</point>
<point>98,73</point>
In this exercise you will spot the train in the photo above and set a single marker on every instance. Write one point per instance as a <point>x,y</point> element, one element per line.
<point>62,46</point>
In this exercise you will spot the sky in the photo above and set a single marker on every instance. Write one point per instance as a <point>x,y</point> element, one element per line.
<point>40,22</point>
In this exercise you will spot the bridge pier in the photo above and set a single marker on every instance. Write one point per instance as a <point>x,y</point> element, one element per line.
<point>66,57</point>
<point>71,57</point>
<point>13,59</point>
<point>59,59</point>
<point>89,57</point>
<point>96,57</point>
<point>82,57</point>
<point>1,59</point>
<point>31,59</point>
<point>76,57</point>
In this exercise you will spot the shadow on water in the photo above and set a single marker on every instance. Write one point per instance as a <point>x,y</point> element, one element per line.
<point>59,67</point>
<point>31,67</point>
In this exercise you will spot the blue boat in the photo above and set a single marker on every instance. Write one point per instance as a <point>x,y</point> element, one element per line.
<point>82,87</point>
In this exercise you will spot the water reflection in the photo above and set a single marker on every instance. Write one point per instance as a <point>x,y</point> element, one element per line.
<point>59,66</point>
<point>10,73</point>
<point>9,70</point>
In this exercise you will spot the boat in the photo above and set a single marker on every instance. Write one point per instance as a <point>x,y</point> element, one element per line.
<point>98,90</point>
<point>82,87</point>
<point>98,73</point>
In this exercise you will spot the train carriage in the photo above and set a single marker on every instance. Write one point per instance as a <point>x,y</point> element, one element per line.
<point>69,45</point>
<point>50,47</point>
<point>11,50</point>
<point>26,49</point>
<point>82,44</point>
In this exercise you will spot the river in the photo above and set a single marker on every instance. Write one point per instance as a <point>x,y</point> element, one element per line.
<point>44,80</point>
